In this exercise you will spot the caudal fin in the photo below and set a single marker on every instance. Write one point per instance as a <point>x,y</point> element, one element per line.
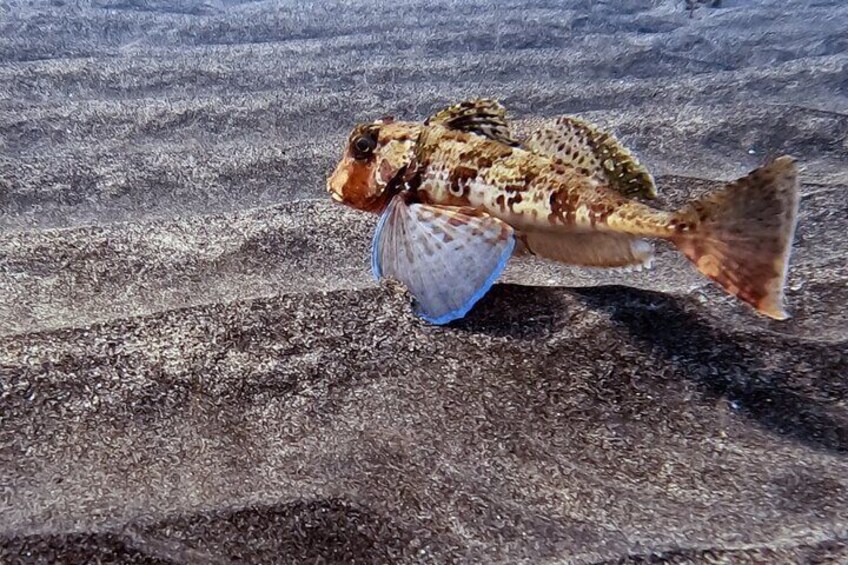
<point>741,236</point>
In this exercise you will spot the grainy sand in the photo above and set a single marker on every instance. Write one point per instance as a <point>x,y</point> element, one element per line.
<point>196,366</point>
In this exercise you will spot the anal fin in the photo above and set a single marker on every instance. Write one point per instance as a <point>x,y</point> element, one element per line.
<point>588,249</point>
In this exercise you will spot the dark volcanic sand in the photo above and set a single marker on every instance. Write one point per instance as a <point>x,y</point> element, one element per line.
<point>196,367</point>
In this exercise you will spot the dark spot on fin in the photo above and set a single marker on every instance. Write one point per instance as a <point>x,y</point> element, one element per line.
<point>483,116</point>
<point>582,145</point>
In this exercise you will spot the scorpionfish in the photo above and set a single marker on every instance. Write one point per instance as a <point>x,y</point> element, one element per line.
<point>458,196</point>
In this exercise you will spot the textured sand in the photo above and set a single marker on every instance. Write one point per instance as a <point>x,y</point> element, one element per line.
<point>196,366</point>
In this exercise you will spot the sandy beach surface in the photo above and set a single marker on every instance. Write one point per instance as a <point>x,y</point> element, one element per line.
<point>197,367</point>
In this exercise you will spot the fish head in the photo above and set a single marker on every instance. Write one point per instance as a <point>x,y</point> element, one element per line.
<point>372,168</point>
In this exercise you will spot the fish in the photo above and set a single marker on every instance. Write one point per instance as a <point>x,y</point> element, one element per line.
<point>458,195</point>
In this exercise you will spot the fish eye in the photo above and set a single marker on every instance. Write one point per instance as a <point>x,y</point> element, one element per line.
<point>363,146</point>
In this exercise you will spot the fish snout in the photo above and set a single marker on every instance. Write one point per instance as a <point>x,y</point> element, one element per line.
<point>336,184</point>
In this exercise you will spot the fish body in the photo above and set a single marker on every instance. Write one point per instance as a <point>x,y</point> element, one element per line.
<point>458,196</point>
<point>530,191</point>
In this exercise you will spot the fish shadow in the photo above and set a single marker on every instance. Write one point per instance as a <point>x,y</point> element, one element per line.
<point>796,401</point>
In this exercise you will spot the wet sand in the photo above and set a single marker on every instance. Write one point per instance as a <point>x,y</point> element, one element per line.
<point>196,366</point>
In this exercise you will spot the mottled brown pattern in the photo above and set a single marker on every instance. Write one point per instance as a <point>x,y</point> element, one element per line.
<point>513,200</point>
<point>367,181</point>
<point>563,206</point>
<point>751,287</point>
<point>529,174</point>
<point>711,233</point>
<point>484,117</point>
<point>386,173</point>
<point>357,186</point>
<point>531,190</point>
<point>459,177</point>
<point>595,153</point>
<point>599,211</point>
<point>484,161</point>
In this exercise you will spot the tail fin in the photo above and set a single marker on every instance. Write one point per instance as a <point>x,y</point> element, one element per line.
<point>741,236</point>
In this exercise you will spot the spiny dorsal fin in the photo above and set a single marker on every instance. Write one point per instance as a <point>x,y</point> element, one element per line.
<point>482,116</point>
<point>580,144</point>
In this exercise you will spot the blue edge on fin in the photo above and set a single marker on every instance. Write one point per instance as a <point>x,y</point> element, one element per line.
<point>469,304</point>
<point>375,245</point>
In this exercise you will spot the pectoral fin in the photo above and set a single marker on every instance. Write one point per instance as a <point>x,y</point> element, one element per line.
<point>581,145</point>
<point>448,258</point>
<point>588,249</point>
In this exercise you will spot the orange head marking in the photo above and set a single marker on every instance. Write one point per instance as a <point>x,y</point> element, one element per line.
<point>375,157</point>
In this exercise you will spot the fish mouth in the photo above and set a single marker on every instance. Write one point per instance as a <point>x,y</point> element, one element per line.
<point>335,194</point>
<point>337,181</point>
